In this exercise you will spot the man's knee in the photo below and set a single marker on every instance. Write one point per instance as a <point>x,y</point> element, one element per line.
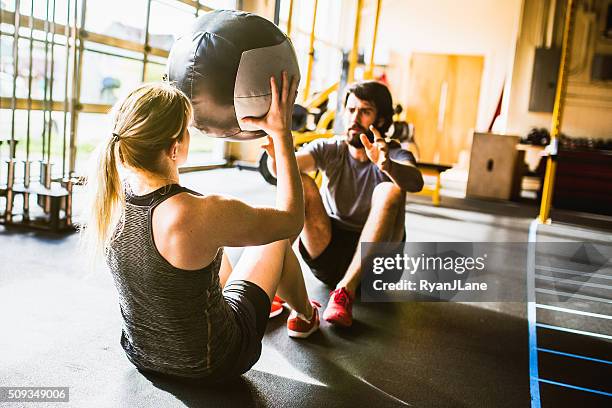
<point>312,197</point>
<point>388,195</point>
<point>310,186</point>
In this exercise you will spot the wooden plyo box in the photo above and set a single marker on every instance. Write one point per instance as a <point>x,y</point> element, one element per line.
<point>494,167</point>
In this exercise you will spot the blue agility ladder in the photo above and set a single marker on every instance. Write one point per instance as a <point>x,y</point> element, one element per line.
<point>533,306</point>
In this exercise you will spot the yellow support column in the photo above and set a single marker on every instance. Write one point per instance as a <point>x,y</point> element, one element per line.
<point>355,49</point>
<point>290,18</point>
<point>557,117</point>
<point>435,198</point>
<point>369,74</point>
<point>306,92</point>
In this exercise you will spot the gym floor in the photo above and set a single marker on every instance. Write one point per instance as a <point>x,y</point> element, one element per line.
<point>61,327</point>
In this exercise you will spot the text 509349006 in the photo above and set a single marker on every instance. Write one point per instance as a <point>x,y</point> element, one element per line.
<point>34,394</point>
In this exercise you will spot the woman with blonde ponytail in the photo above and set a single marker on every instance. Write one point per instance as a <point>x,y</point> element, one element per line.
<point>187,313</point>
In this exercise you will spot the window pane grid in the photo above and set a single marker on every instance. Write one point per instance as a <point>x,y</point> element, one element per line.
<point>114,52</point>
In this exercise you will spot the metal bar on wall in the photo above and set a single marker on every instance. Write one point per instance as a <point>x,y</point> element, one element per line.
<point>46,81</point>
<point>145,54</point>
<point>277,4</point>
<point>30,63</point>
<point>66,103</point>
<point>77,66</point>
<point>17,23</point>
<point>51,80</point>
<point>8,210</point>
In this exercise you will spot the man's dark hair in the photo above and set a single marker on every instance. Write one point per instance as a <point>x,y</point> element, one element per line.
<point>377,94</point>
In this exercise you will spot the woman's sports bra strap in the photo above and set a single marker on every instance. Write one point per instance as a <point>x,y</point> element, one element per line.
<point>154,198</point>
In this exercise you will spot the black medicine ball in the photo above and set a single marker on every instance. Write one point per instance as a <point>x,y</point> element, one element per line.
<point>224,65</point>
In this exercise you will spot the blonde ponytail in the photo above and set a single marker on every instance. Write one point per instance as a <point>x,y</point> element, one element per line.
<point>150,119</point>
<point>106,197</point>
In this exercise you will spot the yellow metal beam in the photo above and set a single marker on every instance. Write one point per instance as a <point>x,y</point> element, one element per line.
<point>355,50</point>
<point>557,116</point>
<point>22,103</point>
<point>290,18</point>
<point>123,44</point>
<point>306,92</point>
<point>8,17</point>
<point>319,98</point>
<point>299,138</point>
<point>326,119</point>
<point>369,74</point>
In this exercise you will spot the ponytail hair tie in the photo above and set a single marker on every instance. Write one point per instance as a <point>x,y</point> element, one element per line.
<point>116,137</point>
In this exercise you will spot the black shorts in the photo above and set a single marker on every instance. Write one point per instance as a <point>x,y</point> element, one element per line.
<point>251,307</point>
<point>331,265</point>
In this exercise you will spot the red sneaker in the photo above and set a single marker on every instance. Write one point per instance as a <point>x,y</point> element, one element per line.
<point>299,326</point>
<point>340,308</point>
<point>275,309</point>
<point>277,306</point>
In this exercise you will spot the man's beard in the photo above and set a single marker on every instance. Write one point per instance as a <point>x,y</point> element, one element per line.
<point>354,138</point>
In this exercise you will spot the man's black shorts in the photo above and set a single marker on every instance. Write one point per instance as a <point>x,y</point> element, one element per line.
<point>331,265</point>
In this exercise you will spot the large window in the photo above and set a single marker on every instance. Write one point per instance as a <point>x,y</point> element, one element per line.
<point>102,17</point>
<point>119,44</point>
<point>107,74</point>
<point>168,20</point>
<point>334,19</point>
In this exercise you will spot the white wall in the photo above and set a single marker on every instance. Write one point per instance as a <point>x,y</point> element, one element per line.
<point>469,27</point>
<point>588,107</point>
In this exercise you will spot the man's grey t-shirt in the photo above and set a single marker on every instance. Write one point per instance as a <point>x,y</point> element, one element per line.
<point>348,184</point>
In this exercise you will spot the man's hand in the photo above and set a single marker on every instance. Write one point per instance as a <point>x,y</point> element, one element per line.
<point>377,152</point>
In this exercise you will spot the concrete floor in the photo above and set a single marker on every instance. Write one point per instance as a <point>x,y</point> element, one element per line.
<point>61,327</point>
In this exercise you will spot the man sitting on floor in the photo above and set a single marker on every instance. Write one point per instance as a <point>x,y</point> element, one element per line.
<point>362,198</point>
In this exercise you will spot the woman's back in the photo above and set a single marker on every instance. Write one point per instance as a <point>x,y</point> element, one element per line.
<point>164,248</point>
<point>175,320</point>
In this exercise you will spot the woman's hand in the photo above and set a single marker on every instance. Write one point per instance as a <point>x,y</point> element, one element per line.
<point>277,122</point>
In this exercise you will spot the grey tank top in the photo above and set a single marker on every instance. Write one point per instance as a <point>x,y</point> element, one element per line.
<point>175,321</point>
